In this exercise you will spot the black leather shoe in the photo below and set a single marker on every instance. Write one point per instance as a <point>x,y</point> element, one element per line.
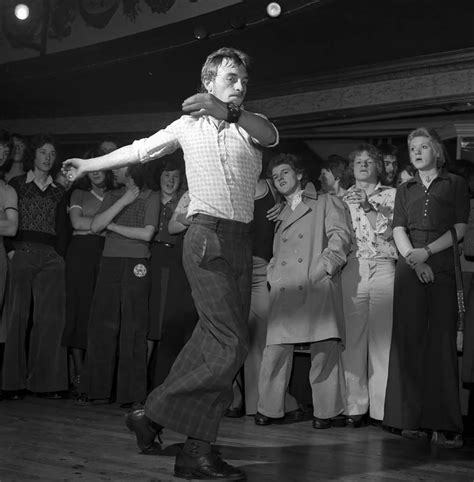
<point>295,416</point>
<point>209,466</point>
<point>261,419</point>
<point>13,394</point>
<point>323,423</point>
<point>236,412</point>
<point>375,422</point>
<point>355,421</point>
<point>145,431</point>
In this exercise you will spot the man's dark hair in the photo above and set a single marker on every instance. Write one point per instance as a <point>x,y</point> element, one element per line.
<point>338,165</point>
<point>388,149</point>
<point>138,174</point>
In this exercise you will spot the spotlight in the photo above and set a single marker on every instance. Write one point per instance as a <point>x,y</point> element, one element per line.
<point>200,32</point>
<point>22,12</point>
<point>273,9</point>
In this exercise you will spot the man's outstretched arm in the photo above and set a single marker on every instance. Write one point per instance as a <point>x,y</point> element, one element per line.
<point>76,168</point>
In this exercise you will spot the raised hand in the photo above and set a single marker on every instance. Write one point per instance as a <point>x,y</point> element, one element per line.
<point>130,195</point>
<point>357,196</point>
<point>205,104</point>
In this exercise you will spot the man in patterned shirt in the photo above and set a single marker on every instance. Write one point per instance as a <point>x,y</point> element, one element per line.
<point>367,287</point>
<point>221,143</point>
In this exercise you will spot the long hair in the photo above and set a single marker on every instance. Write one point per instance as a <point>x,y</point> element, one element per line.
<point>85,183</point>
<point>39,140</point>
<point>374,153</point>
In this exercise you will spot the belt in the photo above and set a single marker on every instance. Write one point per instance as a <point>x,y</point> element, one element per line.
<point>221,224</point>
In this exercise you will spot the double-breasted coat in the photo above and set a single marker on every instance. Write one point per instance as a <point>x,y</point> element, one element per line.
<point>304,309</point>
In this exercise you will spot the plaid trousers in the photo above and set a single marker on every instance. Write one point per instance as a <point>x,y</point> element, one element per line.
<point>217,257</point>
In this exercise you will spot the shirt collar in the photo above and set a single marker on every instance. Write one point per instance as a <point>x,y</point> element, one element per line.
<point>442,173</point>
<point>30,177</point>
<point>378,188</point>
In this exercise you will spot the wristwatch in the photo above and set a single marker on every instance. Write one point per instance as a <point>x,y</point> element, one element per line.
<point>428,250</point>
<point>233,112</point>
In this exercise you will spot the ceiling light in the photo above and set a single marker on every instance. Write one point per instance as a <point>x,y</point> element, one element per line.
<point>22,12</point>
<point>273,9</point>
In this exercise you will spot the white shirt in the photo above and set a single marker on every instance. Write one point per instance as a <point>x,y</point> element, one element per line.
<point>223,163</point>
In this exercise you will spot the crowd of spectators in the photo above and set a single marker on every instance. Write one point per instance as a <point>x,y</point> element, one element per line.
<point>358,268</point>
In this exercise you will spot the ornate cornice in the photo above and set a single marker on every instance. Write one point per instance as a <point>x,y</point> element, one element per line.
<point>415,66</point>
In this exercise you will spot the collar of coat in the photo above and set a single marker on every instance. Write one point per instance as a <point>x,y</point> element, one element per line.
<point>308,201</point>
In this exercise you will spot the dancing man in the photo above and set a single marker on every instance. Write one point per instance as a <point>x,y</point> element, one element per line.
<point>221,143</point>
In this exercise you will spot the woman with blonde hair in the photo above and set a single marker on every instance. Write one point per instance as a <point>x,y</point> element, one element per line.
<point>422,392</point>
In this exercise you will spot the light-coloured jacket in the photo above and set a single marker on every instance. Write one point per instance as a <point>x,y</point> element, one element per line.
<point>303,309</point>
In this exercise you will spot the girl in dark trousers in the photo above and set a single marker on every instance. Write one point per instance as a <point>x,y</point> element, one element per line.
<point>422,391</point>
<point>37,276</point>
<point>119,314</point>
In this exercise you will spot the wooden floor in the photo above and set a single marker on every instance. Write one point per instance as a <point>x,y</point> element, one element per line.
<point>56,440</point>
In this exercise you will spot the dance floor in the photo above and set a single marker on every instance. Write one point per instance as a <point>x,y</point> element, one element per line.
<point>56,440</point>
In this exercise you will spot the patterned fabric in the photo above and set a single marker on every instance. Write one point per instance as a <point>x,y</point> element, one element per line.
<point>30,177</point>
<point>222,164</point>
<point>297,198</point>
<point>38,210</point>
<point>217,258</point>
<point>140,213</point>
<point>369,242</point>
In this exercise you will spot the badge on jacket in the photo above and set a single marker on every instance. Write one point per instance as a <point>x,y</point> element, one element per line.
<point>139,270</point>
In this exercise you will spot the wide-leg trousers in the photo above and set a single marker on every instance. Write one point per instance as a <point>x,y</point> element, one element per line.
<point>423,386</point>
<point>325,378</point>
<point>367,287</point>
<point>36,275</point>
<point>117,331</point>
<point>217,257</point>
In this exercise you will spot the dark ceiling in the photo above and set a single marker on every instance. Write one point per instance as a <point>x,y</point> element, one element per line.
<point>156,70</point>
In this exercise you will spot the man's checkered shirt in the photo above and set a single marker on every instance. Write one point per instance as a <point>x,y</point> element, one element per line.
<point>222,164</point>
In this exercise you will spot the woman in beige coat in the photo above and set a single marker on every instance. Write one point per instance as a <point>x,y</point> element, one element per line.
<point>311,242</point>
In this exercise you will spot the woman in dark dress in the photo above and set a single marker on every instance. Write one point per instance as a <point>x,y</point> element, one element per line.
<point>422,392</point>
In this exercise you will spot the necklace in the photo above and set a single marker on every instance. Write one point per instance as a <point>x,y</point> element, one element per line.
<point>428,179</point>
